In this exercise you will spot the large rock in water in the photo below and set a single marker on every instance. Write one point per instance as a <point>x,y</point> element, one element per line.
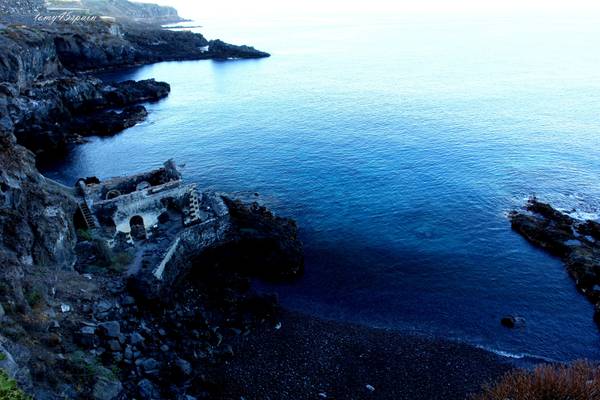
<point>575,242</point>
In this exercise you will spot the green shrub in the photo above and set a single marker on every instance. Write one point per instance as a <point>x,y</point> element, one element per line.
<point>580,380</point>
<point>9,389</point>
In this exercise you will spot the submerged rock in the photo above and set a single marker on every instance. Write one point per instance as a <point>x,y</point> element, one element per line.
<point>511,321</point>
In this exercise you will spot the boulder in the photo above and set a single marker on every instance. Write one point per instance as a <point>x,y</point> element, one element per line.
<point>136,339</point>
<point>183,367</point>
<point>149,366</point>
<point>148,391</point>
<point>508,321</point>
<point>106,387</point>
<point>111,329</point>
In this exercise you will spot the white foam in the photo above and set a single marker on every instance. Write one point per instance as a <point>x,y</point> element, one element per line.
<point>514,356</point>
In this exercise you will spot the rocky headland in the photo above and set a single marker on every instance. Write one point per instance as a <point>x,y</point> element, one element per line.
<point>52,102</point>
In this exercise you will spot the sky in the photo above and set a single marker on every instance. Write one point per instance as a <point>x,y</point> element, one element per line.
<point>256,8</point>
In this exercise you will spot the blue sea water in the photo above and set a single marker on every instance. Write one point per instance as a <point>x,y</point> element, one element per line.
<point>399,143</point>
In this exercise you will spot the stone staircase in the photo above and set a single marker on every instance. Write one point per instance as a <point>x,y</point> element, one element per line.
<point>87,215</point>
<point>192,214</point>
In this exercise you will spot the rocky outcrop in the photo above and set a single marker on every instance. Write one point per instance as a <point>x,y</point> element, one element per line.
<point>107,123</point>
<point>27,55</point>
<point>84,49</point>
<point>35,216</point>
<point>221,50</point>
<point>237,239</point>
<point>576,242</point>
<point>51,114</point>
<point>51,106</point>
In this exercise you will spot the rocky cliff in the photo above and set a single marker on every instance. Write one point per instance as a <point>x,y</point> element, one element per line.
<point>35,217</point>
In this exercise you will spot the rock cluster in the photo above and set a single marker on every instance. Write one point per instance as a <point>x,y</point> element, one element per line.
<point>576,242</point>
<point>169,350</point>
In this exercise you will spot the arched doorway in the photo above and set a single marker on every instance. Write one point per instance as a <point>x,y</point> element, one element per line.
<point>138,230</point>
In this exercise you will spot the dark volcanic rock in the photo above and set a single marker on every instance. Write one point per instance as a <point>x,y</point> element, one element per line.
<point>244,239</point>
<point>561,235</point>
<point>49,114</point>
<point>130,92</point>
<point>222,50</point>
<point>269,245</point>
<point>110,329</point>
<point>109,122</point>
<point>99,47</point>
<point>35,216</point>
<point>27,55</point>
<point>42,97</point>
<point>510,321</point>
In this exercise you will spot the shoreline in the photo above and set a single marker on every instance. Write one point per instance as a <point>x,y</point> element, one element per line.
<point>303,356</point>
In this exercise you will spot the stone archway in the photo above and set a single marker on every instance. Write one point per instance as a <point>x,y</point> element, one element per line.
<point>138,229</point>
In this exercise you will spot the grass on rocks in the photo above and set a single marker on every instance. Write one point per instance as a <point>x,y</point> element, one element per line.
<point>9,389</point>
<point>577,381</point>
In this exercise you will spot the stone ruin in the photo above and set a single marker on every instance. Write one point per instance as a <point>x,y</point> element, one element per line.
<point>152,213</point>
<point>170,228</point>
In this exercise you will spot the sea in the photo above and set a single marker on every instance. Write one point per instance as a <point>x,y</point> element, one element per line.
<point>399,142</point>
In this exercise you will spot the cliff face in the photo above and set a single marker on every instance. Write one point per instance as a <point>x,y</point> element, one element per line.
<point>27,55</point>
<point>35,217</point>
